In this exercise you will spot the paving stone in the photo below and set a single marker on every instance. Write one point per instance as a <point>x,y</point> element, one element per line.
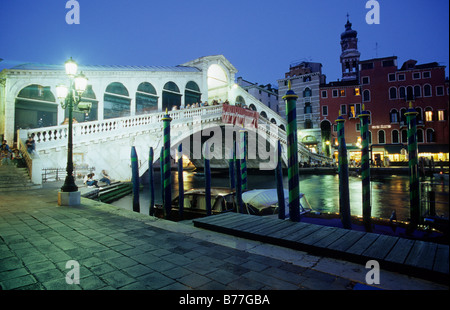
<point>117,279</point>
<point>194,280</point>
<point>155,280</point>
<point>15,283</point>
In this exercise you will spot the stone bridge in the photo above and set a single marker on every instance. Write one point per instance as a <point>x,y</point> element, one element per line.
<point>107,144</point>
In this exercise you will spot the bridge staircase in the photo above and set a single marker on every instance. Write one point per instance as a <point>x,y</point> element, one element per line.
<point>13,178</point>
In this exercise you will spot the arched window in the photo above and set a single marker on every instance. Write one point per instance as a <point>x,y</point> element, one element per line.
<point>171,96</point>
<point>392,93</point>
<point>430,135</point>
<point>428,114</point>
<point>419,115</point>
<point>403,116</point>
<point>192,93</point>
<point>420,135</point>
<point>417,91</point>
<point>308,124</point>
<point>409,93</point>
<point>381,137</point>
<point>273,121</point>
<point>308,108</point>
<point>366,95</point>
<point>282,127</point>
<point>263,114</point>
<point>307,92</point>
<point>427,90</point>
<point>82,116</point>
<point>146,99</point>
<point>393,115</point>
<point>402,92</point>
<point>395,137</point>
<point>35,107</point>
<point>241,101</point>
<point>404,136</point>
<point>116,101</point>
<point>252,107</point>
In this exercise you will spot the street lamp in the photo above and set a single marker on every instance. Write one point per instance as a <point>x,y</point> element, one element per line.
<point>71,98</point>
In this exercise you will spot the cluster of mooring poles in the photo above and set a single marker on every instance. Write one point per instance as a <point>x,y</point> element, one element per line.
<point>238,170</point>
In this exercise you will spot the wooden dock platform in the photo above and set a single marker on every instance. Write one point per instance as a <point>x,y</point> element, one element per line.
<point>417,258</point>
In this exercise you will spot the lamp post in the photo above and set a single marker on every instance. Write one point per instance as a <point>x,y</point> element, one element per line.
<point>70,98</point>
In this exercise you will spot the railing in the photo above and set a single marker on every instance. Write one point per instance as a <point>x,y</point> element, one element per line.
<point>56,174</point>
<point>56,136</point>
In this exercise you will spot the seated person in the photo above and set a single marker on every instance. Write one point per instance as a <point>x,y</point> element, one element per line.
<point>105,178</point>
<point>90,180</point>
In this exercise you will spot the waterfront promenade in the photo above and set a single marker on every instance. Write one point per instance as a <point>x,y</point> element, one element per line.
<point>121,249</point>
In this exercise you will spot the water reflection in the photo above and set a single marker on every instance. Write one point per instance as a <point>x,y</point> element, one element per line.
<point>322,191</point>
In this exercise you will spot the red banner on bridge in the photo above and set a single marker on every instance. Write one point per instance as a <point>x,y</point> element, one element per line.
<point>239,116</point>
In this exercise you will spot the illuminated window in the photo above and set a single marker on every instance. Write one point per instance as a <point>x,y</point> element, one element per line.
<point>428,115</point>
<point>342,92</point>
<point>351,111</point>
<point>441,116</point>
<point>357,92</point>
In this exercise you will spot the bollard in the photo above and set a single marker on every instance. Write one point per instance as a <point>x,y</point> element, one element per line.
<point>180,182</point>
<point>151,182</point>
<point>344,195</point>
<point>207,181</point>
<point>291,132</point>
<point>135,179</point>
<point>231,169</point>
<point>365,171</point>
<point>280,189</point>
<point>161,163</point>
<point>414,190</point>
<point>243,152</point>
<point>240,204</point>
<point>167,175</point>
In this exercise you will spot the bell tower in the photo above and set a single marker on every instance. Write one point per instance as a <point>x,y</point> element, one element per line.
<point>350,54</point>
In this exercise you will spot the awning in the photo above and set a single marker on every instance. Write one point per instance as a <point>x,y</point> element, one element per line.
<point>433,148</point>
<point>395,149</point>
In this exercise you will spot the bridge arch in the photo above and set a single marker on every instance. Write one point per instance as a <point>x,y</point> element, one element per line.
<point>192,93</point>
<point>171,96</point>
<point>116,101</point>
<point>146,99</point>
<point>35,106</point>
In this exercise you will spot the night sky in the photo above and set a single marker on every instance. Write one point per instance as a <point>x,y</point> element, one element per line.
<point>261,38</point>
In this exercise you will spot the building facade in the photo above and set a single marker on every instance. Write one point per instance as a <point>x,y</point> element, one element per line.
<point>264,93</point>
<point>305,79</point>
<point>383,89</point>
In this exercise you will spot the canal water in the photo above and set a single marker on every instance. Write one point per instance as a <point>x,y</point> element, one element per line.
<point>388,193</point>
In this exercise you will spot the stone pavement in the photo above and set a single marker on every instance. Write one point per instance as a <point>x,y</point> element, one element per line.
<point>121,249</point>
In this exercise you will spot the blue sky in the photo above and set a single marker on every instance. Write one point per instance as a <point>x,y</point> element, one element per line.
<point>259,37</point>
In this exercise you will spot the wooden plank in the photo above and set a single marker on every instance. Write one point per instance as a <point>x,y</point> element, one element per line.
<point>247,226</point>
<point>422,255</point>
<point>318,235</point>
<point>362,244</point>
<point>400,251</point>
<point>286,231</point>
<point>239,222</point>
<point>262,228</point>
<point>325,242</point>
<point>381,247</point>
<point>300,226</point>
<point>269,231</point>
<point>346,241</point>
<point>216,218</point>
<point>307,232</point>
<point>441,259</point>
